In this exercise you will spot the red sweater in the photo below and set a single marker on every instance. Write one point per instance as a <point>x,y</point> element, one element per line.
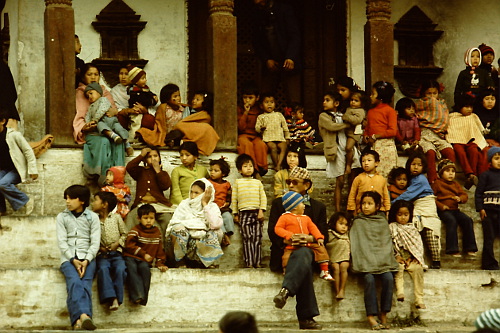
<point>246,123</point>
<point>141,241</point>
<point>382,120</point>
<point>289,224</point>
<point>445,190</point>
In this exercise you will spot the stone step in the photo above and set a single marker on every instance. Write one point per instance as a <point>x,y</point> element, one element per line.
<point>36,298</point>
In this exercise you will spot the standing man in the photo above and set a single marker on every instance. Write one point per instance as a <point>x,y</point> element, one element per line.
<point>277,43</point>
<point>298,280</point>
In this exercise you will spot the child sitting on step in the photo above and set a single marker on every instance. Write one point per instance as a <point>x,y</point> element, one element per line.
<point>292,223</point>
<point>115,183</point>
<point>143,249</point>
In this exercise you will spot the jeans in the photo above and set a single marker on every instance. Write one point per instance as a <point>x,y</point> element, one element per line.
<point>9,191</point>
<point>452,219</point>
<point>299,282</point>
<point>371,303</point>
<point>111,276</point>
<point>79,290</point>
<point>491,229</point>
<point>139,279</point>
<point>228,223</point>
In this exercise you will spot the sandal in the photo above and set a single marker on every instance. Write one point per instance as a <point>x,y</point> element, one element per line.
<point>377,327</point>
<point>385,326</point>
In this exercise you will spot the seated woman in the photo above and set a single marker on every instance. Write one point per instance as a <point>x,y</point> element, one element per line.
<point>99,152</point>
<point>195,228</point>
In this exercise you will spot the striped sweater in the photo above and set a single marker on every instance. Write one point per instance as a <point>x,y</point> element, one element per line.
<point>248,193</point>
<point>141,241</point>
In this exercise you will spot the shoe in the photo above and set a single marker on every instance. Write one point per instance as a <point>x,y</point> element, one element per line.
<point>401,298</point>
<point>325,275</point>
<point>472,254</point>
<point>436,264</point>
<point>115,137</point>
<point>456,255</point>
<point>88,324</point>
<point>280,299</point>
<point>309,324</point>
<point>29,206</point>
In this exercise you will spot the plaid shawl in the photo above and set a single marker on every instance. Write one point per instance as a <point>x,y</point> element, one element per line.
<point>407,237</point>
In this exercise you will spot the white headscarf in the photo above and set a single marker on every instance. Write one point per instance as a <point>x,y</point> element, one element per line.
<point>190,213</point>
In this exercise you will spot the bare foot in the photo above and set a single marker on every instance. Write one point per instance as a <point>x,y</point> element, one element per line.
<point>78,325</point>
<point>340,295</point>
<point>420,306</point>
<point>114,306</point>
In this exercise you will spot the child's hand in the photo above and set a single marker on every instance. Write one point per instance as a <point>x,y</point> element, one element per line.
<point>206,197</point>
<point>400,260</point>
<point>321,242</point>
<point>260,216</point>
<point>482,214</point>
<point>34,176</point>
<point>103,249</point>
<point>445,208</point>
<point>156,165</point>
<point>90,126</point>
<point>456,198</point>
<point>163,268</point>
<point>148,258</point>
<point>139,108</point>
<point>415,143</point>
<point>236,218</point>
<point>145,151</point>
<point>114,246</point>
<point>247,108</point>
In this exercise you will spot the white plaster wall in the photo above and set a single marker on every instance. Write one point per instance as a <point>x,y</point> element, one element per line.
<point>356,19</point>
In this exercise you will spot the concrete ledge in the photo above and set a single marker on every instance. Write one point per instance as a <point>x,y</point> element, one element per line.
<point>37,298</point>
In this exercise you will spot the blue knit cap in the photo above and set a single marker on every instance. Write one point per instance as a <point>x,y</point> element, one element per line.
<point>291,200</point>
<point>492,151</point>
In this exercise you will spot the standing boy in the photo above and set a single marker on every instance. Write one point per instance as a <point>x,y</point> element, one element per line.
<point>488,205</point>
<point>17,161</point>
<point>78,237</point>
<point>143,245</point>
<point>249,141</point>
<point>369,180</point>
<point>248,204</point>
<point>111,269</point>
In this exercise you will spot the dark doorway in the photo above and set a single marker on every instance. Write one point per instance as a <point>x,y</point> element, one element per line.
<point>323,24</point>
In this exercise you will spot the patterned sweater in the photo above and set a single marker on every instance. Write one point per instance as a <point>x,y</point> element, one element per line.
<point>141,241</point>
<point>248,194</point>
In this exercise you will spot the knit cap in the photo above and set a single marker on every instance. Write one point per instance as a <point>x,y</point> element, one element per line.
<point>94,86</point>
<point>134,74</point>
<point>291,200</point>
<point>444,165</point>
<point>468,55</point>
<point>492,151</point>
<point>300,173</point>
<point>488,319</point>
<point>486,49</point>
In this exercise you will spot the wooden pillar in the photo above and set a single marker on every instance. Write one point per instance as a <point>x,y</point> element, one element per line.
<point>59,25</point>
<point>221,27</point>
<point>379,43</point>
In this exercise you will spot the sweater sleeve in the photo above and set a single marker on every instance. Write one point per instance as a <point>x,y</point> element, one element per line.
<point>175,191</point>
<point>132,244</point>
<point>163,180</point>
<point>313,229</point>
<point>417,132</point>
<point>95,238</point>
<point>263,197</point>
<point>280,228</point>
<point>284,126</point>
<point>133,167</point>
<point>479,195</point>
<point>234,199</point>
<point>351,199</point>
<point>386,198</point>
<point>62,238</point>
<point>392,124</point>
<point>259,123</point>
<point>354,116</point>
<point>327,123</point>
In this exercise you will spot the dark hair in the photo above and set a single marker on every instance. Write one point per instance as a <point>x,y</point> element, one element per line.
<point>296,107</point>
<point>334,95</point>
<point>238,322</point>
<point>223,165</point>
<point>124,64</point>
<point>332,222</point>
<point>190,147</point>
<point>108,197</point>
<point>395,173</point>
<point>200,184</point>
<point>250,88</point>
<point>403,104</point>
<point>267,95</point>
<point>364,98</point>
<point>295,147</point>
<point>156,149</point>
<point>385,91</point>
<point>79,192</point>
<point>85,69</point>
<point>370,152</point>
<point>395,209</point>
<point>429,84</point>
<point>377,198</point>
<point>242,159</point>
<point>412,157</point>
<point>463,101</point>
<point>4,114</point>
<point>348,82</point>
<point>145,210</point>
<point>208,100</point>
<point>167,91</point>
